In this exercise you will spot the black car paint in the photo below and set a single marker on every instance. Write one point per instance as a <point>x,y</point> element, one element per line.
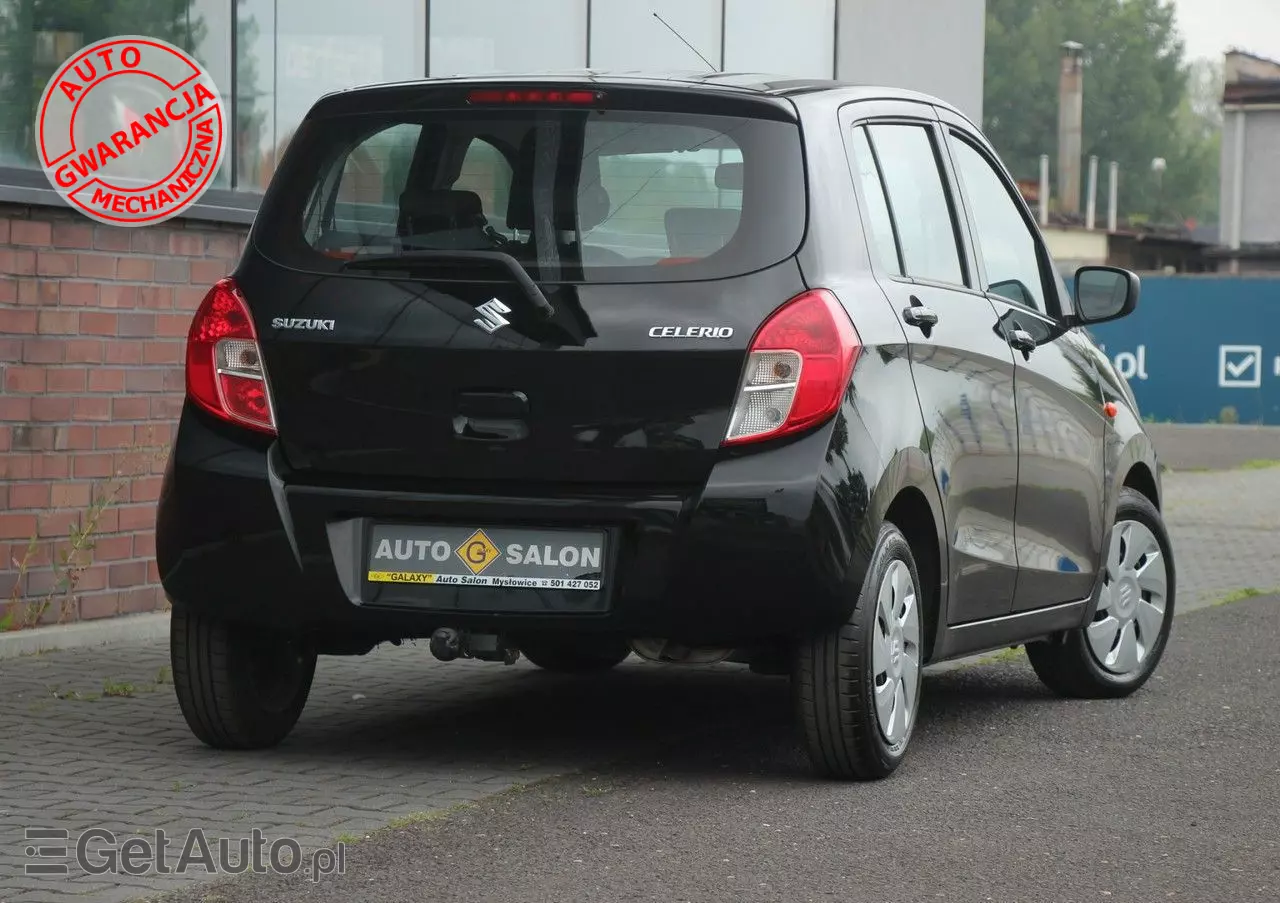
<point>723,546</point>
<point>606,401</point>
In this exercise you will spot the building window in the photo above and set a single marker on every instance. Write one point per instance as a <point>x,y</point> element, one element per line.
<point>290,52</point>
<point>287,54</point>
<point>36,38</point>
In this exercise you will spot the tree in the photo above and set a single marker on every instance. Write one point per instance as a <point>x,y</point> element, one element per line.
<point>1137,99</point>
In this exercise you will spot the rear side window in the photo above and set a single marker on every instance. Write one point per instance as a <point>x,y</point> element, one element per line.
<point>918,202</point>
<point>599,196</point>
<point>879,221</point>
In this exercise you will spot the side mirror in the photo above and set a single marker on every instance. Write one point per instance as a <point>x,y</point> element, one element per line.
<point>1105,293</point>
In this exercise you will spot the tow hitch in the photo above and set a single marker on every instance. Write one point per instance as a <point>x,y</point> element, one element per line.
<point>448,644</point>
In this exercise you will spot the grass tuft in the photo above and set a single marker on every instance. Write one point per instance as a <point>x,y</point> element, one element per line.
<point>417,818</point>
<point>1004,656</point>
<point>117,688</point>
<point>1246,592</point>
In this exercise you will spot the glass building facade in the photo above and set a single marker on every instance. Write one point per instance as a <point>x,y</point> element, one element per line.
<point>272,59</point>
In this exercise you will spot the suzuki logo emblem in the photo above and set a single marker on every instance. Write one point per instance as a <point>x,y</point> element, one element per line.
<point>491,317</point>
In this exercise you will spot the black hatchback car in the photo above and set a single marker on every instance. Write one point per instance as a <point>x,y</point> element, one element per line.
<point>699,368</point>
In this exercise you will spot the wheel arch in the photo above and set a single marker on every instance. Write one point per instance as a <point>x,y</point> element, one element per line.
<point>1141,479</point>
<point>912,514</point>
<point>1134,466</point>
<point>906,495</point>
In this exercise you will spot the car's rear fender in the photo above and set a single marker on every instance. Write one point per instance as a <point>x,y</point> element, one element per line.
<point>880,453</point>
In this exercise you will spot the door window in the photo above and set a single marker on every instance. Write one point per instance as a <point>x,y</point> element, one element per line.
<point>918,202</point>
<point>1005,242</point>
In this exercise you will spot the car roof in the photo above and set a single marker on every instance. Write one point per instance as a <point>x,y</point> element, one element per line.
<point>740,83</point>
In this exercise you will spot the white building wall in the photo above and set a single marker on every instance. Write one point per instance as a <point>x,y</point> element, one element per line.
<point>625,35</point>
<point>478,37</point>
<point>790,38</point>
<point>934,46</point>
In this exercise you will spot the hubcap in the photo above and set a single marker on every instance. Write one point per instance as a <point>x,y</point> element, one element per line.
<point>1131,609</point>
<point>895,652</point>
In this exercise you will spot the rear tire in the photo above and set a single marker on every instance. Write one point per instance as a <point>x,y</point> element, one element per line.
<point>564,657</point>
<point>238,687</point>
<point>857,688</point>
<point>1119,650</point>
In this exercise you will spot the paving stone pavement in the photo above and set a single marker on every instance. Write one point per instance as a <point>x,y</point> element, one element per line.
<point>396,733</point>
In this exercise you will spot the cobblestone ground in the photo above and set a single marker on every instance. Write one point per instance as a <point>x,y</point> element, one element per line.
<point>395,733</point>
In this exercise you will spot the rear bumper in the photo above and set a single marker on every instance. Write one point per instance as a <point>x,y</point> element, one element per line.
<point>763,551</point>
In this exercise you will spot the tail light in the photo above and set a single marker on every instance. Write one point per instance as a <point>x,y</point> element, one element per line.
<point>225,375</point>
<point>798,367</point>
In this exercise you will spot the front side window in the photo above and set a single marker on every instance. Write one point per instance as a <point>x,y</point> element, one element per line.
<point>1005,242</point>
<point>918,198</point>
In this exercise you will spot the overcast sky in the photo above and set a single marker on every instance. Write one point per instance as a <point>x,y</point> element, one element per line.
<point>1209,27</point>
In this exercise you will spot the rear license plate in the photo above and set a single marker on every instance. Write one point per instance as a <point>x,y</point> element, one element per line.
<point>514,557</point>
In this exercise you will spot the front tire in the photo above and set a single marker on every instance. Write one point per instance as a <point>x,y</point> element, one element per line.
<point>238,687</point>
<point>857,688</point>
<point>1117,652</point>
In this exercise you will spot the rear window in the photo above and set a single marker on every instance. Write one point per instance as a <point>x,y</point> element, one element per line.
<point>574,196</point>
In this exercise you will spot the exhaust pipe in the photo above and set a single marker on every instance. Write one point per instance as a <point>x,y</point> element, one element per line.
<point>448,644</point>
<point>668,652</point>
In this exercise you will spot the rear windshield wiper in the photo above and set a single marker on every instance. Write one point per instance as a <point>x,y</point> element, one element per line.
<point>407,260</point>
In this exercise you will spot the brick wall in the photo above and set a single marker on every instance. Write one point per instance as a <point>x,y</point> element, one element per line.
<point>93,323</point>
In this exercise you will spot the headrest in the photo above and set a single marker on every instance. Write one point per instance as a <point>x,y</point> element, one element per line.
<point>729,176</point>
<point>439,210</point>
<point>699,231</point>
<point>579,200</point>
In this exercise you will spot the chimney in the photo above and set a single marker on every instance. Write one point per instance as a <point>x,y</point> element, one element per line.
<point>1070,126</point>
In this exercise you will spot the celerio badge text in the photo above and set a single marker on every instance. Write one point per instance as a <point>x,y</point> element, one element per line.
<point>690,332</point>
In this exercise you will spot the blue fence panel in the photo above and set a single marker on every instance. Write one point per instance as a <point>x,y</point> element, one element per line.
<point>1197,345</point>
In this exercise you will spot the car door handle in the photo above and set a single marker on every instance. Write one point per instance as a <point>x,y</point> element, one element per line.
<point>1023,341</point>
<point>923,318</point>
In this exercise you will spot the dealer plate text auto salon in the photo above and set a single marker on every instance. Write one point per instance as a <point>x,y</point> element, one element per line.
<point>539,559</point>
<point>772,371</point>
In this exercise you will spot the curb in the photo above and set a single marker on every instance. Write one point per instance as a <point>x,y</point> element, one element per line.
<point>124,629</point>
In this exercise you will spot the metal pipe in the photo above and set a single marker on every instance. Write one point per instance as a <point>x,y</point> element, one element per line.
<point>1113,200</point>
<point>1237,183</point>
<point>1091,209</point>
<point>1044,189</point>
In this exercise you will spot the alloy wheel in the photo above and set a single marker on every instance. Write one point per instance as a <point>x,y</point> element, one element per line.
<point>896,652</point>
<point>1131,609</point>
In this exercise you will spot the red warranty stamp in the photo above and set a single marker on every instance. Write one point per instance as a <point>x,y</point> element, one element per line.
<point>131,131</point>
